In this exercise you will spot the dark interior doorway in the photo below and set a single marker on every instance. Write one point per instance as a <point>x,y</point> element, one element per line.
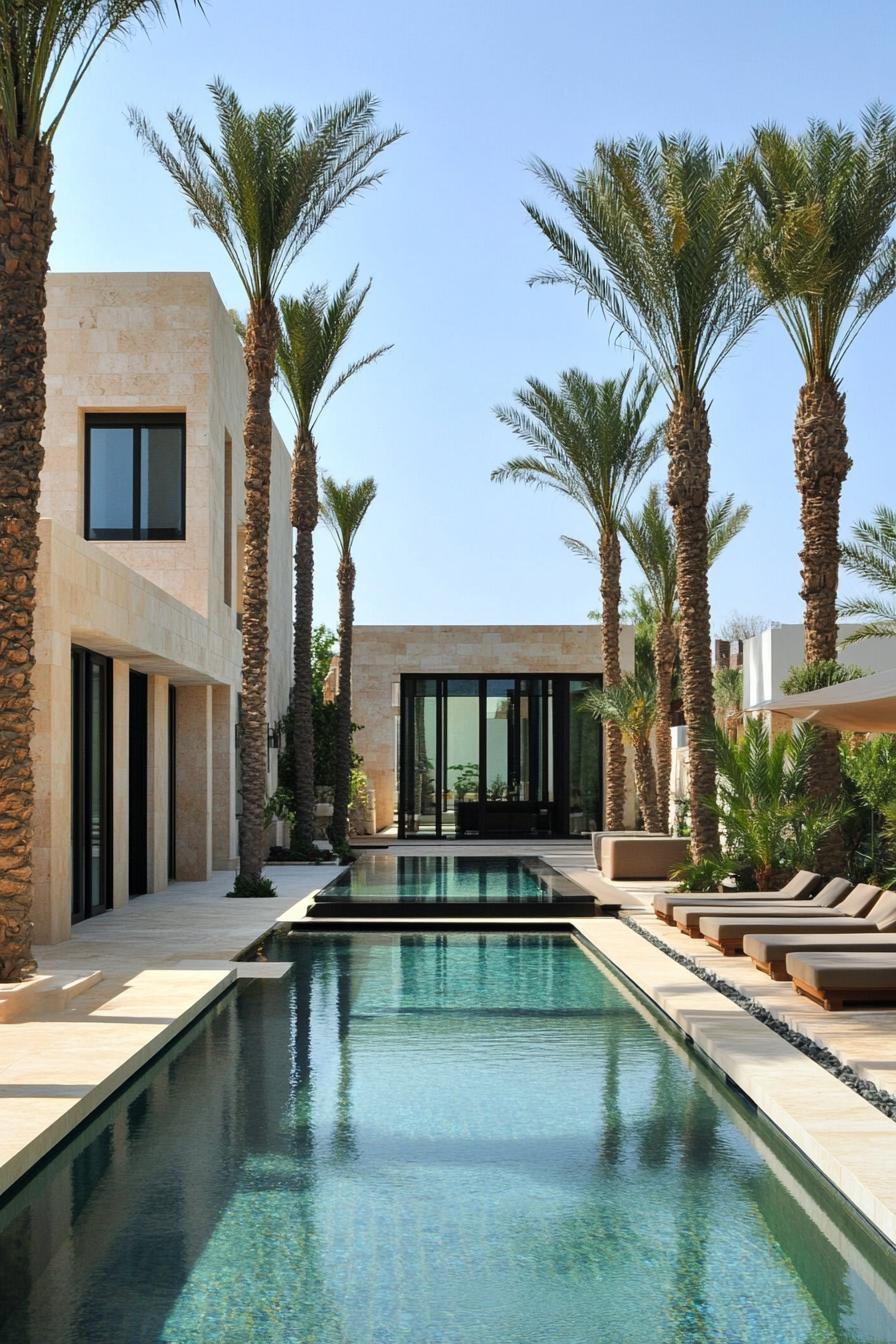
<point>138,786</point>
<point>91,783</point>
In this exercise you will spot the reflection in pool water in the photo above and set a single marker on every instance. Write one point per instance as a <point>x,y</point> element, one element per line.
<point>440,1140</point>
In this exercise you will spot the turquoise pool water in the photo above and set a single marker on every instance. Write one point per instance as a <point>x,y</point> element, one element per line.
<point>425,1139</point>
<point>431,879</point>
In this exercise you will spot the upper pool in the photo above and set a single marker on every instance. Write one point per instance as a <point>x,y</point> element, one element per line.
<point>434,1139</point>
<point>454,881</point>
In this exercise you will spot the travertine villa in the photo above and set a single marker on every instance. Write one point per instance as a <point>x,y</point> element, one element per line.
<point>138,624</point>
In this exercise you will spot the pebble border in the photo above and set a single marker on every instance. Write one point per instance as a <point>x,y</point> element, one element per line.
<point>885,1102</point>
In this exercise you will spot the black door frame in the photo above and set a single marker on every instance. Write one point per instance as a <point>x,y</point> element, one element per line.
<point>82,904</point>
<point>138,783</point>
<point>560,714</point>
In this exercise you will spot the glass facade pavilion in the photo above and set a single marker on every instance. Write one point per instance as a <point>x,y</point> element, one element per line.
<point>501,756</point>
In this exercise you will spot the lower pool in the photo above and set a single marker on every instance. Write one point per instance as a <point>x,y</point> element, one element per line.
<point>434,1139</point>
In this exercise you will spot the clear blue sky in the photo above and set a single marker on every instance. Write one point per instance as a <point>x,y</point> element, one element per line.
<point>481,85</point>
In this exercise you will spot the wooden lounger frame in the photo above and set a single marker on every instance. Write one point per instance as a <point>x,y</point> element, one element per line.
<point>775,970</point>
<point>836,999</point>
<point>729,947</point>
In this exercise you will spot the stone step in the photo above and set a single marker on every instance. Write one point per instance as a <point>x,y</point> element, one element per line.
<point>44,994</point>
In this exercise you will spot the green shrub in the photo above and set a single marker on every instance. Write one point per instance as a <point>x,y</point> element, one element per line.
<point>817,676</point>
<point>247,888</point>
<point>701,874</point>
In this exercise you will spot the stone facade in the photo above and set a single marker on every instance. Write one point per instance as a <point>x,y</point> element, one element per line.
<point>382,653</point>
<point>169,609</point>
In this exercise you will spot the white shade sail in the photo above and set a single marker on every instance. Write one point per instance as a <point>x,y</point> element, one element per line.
<point>866,705</point>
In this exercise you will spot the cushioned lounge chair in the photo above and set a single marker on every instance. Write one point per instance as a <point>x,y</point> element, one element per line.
<point>840,979</point>
<point>768,951</point>
<point>800,887</point>
<point>687,917</point>
<point>728,931</point>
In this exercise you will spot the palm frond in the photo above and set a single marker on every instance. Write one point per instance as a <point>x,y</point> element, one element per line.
<point>657,241</point>
<point>343,508</point>
<point>271,182</point>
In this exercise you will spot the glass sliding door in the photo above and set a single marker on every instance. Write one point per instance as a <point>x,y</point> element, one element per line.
<point>585,760</point>
<point>500,756</point>
<point>460,788</point>
<point>91,804</point>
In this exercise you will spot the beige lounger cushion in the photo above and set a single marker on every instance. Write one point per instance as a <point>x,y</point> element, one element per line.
<point>652,857</point>
<point>844,970</point>
<point>856,903</point>
<point>727,928</point>
<point>597,837</point>
<point>768,947</point>
<point>666,902</point>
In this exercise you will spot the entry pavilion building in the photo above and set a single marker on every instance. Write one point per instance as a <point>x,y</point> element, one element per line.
<point>481,731</point>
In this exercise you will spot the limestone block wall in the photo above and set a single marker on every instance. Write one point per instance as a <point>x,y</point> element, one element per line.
<point>382,653</point>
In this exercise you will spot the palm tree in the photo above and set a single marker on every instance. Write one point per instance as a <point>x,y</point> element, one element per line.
<point>822,255</point>
<point>314,331</point>
<point>46,50</point>
<point>651,537</point>
<point>630,706</point>
<point>343,509</point>
<point>661,226</point>
<point>264,192</point>
<point>589,443</point>
<point>872,556</point>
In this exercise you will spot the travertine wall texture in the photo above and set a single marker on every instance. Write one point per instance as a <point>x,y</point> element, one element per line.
<point>118,342</point>
<point>382,653</point>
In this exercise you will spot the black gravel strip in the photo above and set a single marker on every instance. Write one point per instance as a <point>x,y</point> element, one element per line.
<point>884,1101</point>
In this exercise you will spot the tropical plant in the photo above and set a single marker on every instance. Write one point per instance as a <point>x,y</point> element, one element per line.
<point>872,556</point>
<point>630,706</point>
<point>264,192</point>
<point>817,676</point>
<point>701,874</point>
<point>728,692</point>
<point>822,254</point>
<point>589,443</point>
<point>651,538</point>
<point>46,50</point>
<point>314,330</point>
<point>771,827</point>
<point>343,509</point>
<point>869,765</point>
<point>661,227</point>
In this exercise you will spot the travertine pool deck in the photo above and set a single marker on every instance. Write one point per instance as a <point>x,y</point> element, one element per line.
<point>57,1067</point>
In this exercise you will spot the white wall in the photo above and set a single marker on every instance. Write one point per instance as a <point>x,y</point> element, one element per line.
<point>770,656</point>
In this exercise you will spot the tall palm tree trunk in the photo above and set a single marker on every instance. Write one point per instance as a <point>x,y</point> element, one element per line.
<point>305,513</point>
<point>260,349</point>
<point>645,782</point>
<point>822,464</point>
<point>26,228</point>
<point>687,441</point>
<point>346,578</point>
<point>610,594</point>
<point>665,648</point>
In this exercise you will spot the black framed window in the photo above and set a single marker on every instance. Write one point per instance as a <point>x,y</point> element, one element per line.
<point>135,477</point>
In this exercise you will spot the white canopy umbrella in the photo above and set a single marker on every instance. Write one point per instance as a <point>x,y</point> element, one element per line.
<point>866,705</point>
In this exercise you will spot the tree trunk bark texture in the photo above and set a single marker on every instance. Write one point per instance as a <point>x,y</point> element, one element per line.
<point>262,331</point>
<point>645,782</point>
<point>665,649</point>
<point>821,464</point>
<point>305,509</point>
<point>688,442</point>
<point>610,595</point>
<point>26,229</point>
<point>343,763</point>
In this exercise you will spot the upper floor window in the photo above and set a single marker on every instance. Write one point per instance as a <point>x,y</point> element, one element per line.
<point>135,477</point>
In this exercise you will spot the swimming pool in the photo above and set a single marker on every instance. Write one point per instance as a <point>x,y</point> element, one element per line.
<point>437,1139</point>
<point>453,883</point>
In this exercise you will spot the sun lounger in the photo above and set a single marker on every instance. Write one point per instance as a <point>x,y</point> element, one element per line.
<point>836,979</point>
<point>727,931</point>
<point>803,885</point>
<point>687,917</point>
<point>769,951</point>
